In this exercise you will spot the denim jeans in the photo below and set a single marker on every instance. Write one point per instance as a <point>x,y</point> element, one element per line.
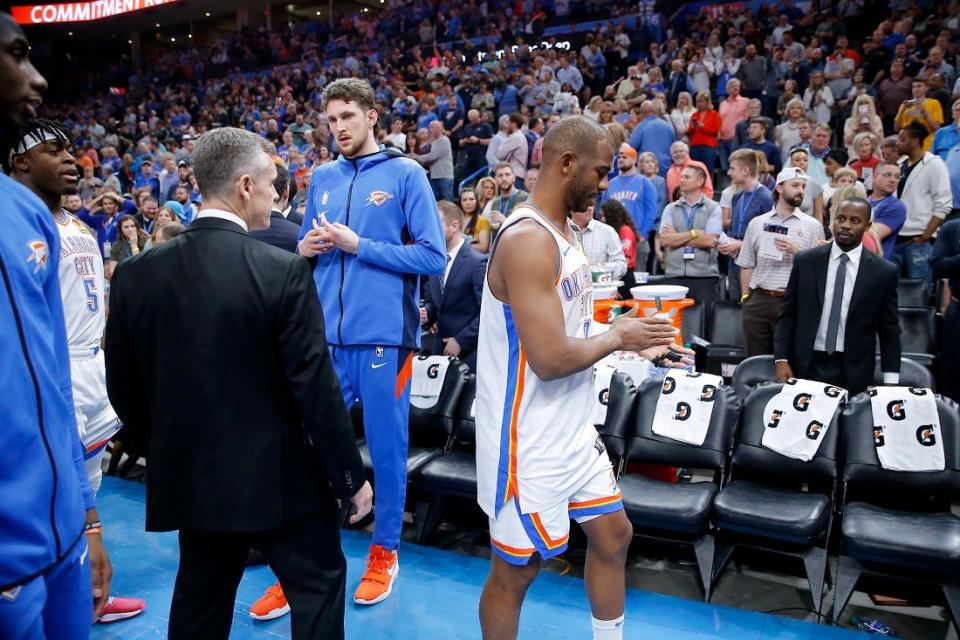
<point>725,149</point>
<point>913,260</point>
<point>442,188</point>
<point>706,155</point>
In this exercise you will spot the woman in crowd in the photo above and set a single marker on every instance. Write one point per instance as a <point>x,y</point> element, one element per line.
<point>476,227</point>
<point>486,192</point>
<point>131,241</point>
<point>681,115</point>
<point>606,114</point>
<point>787,135</point>
<point>889,150</point>
<point>842,177</point>
<point>650,167</point>
<point>703,130</point>
<point>566,102</point>
<point>813,194</point>
<point>863,119</point>
<point>594,107</point>
<point>860,88</point>
<point>866,145</point>
<point>818,99</point>
<point>616,215</point>
<point>655,83</point>
<point>789,95</point>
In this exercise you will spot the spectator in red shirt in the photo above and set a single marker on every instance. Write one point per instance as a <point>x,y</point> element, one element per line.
<point>703,132</point>
<point>867,146</point>
<point>617,216</point>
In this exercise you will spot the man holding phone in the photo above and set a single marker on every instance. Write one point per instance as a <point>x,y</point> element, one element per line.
<point>922,109</point>
<point>769,247</point>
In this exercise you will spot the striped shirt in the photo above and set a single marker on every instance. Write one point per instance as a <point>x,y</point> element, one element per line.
<point>768,273</point>
<point>602,246</point>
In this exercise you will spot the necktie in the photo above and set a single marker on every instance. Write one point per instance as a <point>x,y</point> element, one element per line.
<point>833,324</point>
<point>443,278</point>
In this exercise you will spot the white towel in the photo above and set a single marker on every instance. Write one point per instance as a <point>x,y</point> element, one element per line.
<point>685,406</point>
<point>429,373</point>
<point>798,417</point>
<point>906,429</point>
<point>602,375</point>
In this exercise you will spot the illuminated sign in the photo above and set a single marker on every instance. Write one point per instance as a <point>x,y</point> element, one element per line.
<point>482,55</point>
<point>79,11</point>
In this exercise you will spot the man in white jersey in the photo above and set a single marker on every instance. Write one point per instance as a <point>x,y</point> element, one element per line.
<point>540,461</point>
<point>43,162</point>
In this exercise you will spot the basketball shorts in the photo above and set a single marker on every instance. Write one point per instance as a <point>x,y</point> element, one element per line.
<point>516,536</point>
<point>97,422</point>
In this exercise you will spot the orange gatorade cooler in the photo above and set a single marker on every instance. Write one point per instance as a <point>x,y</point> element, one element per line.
<point>662,298</point>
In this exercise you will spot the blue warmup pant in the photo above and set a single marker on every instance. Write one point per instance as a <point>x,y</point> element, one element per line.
<point>57,605</point>
<point>380,378</point>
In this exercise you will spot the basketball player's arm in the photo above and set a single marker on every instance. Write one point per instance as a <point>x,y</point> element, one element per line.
<point>427,253</point>
<point>313,382</point>
<point>523,273</point>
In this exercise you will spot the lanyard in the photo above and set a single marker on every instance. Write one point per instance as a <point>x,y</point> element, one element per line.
<point>744,205</point>
<point>689,219</point>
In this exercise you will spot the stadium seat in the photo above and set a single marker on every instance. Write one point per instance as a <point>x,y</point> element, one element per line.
<point>726,346</point>
<point>753,371</point>
<point>913,293</point>
<point>774,502</point>
<point>621,414</point>
<point>678,512</point>
<point>897,525</point>
<point>430,428</point>
<point>694,323</point>
<point>918,335</point>
<point>452,474</point>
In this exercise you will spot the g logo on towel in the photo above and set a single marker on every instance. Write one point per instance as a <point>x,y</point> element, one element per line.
<point>683,411</point>
<point>926,435</point>
<point>878,440</point>
<point>918,391</point>
<point>833,392</point>
<point>814,429</point>
<point>801,402</point>
<point>896,410</point>
<point>433,371</point>
<point>693,374</point>
<point>604,397</point>
<point>708,393</point>
<point>775,419</point>
<point>669,384</point>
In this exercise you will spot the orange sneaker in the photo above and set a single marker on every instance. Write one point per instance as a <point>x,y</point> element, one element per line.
<point>272,604</point>
<point>383,566</point>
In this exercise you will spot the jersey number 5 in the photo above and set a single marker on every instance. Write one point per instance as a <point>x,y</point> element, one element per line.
<point>93,299</point>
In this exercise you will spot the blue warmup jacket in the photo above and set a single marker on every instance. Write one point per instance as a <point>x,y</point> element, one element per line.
<point>385,199</point>
<point>42,476</point>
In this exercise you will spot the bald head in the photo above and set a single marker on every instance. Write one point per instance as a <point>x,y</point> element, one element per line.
<point>577,154</point>
<point>578,135</point>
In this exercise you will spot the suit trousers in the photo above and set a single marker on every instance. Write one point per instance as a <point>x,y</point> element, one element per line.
<point>760,313</point>
<point>305,555</point>
<point>828,367</point>
<point>950,352</point>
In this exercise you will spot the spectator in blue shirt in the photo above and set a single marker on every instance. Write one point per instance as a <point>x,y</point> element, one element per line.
<point>426,115</point>
<point>146,178</point>
<point>638,196</point>
<point>948,136</point>
<point>757,131</point>
<point>655,135</point>
<point>953,168</point>
<point>751,200</point>
<point>889,213</point>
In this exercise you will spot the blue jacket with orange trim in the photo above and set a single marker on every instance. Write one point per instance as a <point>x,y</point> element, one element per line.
<point>372,298</point>
<point>42,476</point>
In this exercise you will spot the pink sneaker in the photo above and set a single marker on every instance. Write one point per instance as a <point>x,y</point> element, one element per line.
<point>121,609</point>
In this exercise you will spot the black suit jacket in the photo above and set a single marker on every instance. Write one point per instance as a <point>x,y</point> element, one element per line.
<point>872,314</point>
<point>296,218</point>
<point>215,351</point>
<point>282,233</point>
<point>456,309</point>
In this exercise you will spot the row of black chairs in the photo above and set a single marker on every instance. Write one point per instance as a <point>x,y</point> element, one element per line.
<point>893,524</point>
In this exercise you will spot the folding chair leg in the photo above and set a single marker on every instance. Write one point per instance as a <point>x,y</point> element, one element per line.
<point>721,556</point>
<point>427,516</point>
<point>815,563</point>
<point>952,593</point>
<point>848,572</point>
<point>703,548</point>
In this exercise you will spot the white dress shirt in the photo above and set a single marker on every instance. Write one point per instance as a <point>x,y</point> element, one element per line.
<point>223,215</point>
<point>451,256</point>
<point>853,267</point>
<point>602,246</point>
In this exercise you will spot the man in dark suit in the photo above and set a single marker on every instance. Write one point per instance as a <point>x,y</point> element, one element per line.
<point>282,233</point>
<point>235,390</point>
<point>453,300</point>
<point>839,300</point>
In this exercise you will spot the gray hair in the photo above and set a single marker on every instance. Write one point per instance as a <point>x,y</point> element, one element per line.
<point>503,122</point>
<point>222,155</point>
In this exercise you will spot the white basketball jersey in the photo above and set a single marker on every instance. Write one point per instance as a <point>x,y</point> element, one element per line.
<point>534,438</point>
<point>81,283</point>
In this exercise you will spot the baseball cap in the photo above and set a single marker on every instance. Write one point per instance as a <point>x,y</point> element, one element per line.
<point>628,150</point>
<point>792,173</point>
<point>182,163</point>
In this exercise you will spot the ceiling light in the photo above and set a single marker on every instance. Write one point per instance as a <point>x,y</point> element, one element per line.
<point>129,41</point>
<point>207,13</point>
<point>173,39</point>
<point>190,36</point>
<point>69,33</point>
<point>318,13</point>
<point>158,25</point>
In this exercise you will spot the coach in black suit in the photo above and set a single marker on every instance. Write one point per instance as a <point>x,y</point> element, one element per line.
<point>453,300</point>
<point>839,300</point>
<point>236,392</point>
<point>282,233</point>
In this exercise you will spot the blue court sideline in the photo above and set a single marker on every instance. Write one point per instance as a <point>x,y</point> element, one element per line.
<point>436,596</point>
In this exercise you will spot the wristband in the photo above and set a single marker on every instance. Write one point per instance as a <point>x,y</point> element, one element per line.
<point>93,528</point>
<point>744,297</point>
<point>693,234</point>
